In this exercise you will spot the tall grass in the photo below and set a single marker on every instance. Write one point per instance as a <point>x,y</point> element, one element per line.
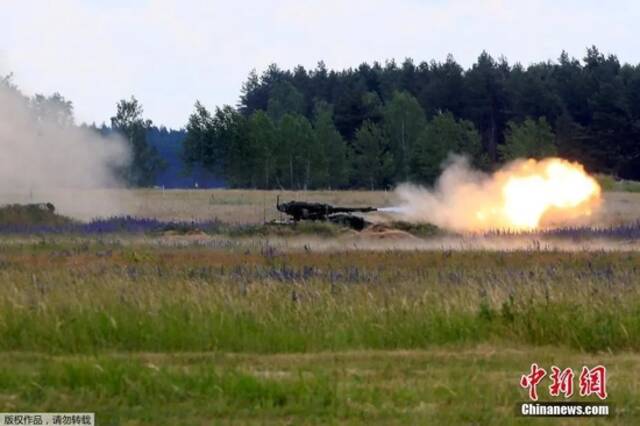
<point>83,300</point>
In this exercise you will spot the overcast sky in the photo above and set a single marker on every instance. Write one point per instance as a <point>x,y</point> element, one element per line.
<point>169,53</point>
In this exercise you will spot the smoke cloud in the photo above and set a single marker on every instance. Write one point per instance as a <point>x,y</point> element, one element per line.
<point>44,157</point>
<point>522,195</point>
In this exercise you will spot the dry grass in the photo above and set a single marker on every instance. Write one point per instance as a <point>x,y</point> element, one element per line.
<point>241,206</point>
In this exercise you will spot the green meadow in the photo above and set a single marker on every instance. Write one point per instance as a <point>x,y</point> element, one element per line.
<point>146,334</point>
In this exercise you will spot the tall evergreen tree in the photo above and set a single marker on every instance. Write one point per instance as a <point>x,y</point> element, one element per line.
<point>284,99</point>
<point>487,99</point>
<point>197,146</point>
<point>443,88</point>
<point>372,162</point>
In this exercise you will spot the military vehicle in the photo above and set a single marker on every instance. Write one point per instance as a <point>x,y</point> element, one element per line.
<point>302,210</point>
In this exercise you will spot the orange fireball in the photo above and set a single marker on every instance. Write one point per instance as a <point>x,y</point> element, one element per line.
<point>528,191</point>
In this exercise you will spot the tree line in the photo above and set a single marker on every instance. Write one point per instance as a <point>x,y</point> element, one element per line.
<point>381,124</point>
<point>378,125</point>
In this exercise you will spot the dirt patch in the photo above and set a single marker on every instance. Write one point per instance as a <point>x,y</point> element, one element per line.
<point>384,232</point>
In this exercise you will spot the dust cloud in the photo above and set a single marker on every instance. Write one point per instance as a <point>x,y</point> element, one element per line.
<point>44,157</point>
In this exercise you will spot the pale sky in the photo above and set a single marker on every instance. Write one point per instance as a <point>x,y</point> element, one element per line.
<point>170,53</point>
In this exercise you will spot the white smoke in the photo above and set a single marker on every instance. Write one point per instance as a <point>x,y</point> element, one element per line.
<point>45,158</point>
<point>447,203</point>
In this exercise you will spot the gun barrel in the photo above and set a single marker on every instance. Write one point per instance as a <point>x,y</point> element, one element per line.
<point>352,209</point>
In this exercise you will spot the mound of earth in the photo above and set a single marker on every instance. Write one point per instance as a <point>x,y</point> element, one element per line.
<point>190,232</point>
<point>31,215</point>
<point>384,232</point>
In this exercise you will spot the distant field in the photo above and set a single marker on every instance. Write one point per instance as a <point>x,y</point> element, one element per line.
<point>252,206</point>
<point>242,206</point>
<point>232,206</point>
<point>256,206</point>
<point>246,206</point>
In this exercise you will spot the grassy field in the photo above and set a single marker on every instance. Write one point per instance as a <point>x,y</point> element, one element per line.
<point>315,325</point>
<point>451,385</point>
<point>144,334</point>
<point>82,299</point>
